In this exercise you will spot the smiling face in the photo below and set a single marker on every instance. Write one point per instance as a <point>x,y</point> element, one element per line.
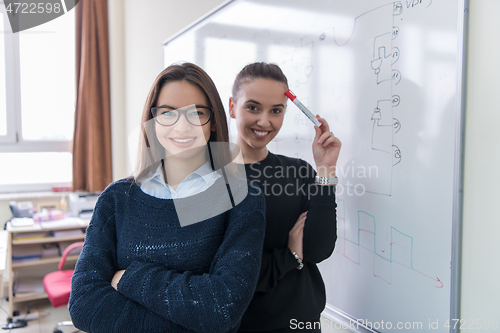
<point>259,110</point>
<point>183,140</point>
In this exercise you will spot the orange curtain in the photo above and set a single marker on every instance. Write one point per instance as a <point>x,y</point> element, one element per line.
<point>92,169</point>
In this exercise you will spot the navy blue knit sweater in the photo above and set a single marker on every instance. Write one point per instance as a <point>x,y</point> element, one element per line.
<point>200,277</point>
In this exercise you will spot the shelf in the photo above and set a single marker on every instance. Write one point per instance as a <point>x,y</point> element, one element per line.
<point>37,228</point>
<point>34,268</point>
<point>42,261</point>
<point>48,240</point>
<point>33,195</point>
<point>28,297</point>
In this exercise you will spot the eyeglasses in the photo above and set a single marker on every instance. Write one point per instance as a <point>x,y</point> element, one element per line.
<point>195,114</point>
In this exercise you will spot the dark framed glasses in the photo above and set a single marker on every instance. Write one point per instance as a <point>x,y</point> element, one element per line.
<point>196,115</point>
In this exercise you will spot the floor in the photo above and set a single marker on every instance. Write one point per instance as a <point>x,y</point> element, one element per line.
<point>49,316</point>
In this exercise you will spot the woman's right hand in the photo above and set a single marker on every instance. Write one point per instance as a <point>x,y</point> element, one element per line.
<point>296,234</point>
<point>116,278</point>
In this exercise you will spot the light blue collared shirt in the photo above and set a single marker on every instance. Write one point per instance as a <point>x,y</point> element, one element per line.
<point>196,182</point>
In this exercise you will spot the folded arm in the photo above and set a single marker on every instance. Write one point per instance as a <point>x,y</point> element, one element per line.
<point>94,305</point>
<point>214,301</point>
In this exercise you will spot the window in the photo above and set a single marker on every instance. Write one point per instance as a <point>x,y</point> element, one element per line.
<point>37,104</point>
<point>4,39</point>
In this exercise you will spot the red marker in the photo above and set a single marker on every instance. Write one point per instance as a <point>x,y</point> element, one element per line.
<point>302,107</point>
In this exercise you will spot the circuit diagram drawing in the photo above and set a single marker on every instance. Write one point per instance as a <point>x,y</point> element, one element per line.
<point>381,151</point>
<point>361,243</point>
<point>377,123</point>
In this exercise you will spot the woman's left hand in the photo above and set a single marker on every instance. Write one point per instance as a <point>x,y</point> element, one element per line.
<point>326,148</point>
<point>116,279</point>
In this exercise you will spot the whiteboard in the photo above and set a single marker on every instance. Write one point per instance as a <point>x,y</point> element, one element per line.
<point>387,76</point>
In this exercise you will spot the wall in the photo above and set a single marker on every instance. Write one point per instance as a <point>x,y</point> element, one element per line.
<point>481,227</point>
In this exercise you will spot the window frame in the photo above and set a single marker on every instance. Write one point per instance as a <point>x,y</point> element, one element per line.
<point>11,95</point>
<point>13,141</point>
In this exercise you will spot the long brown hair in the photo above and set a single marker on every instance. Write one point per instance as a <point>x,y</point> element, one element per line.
<point>151,152</point>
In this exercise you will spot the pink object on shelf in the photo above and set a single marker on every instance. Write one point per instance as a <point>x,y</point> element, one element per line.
<point>48,216</point>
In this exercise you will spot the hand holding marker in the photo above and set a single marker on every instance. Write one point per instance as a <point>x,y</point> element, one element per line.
<point>302,107</point>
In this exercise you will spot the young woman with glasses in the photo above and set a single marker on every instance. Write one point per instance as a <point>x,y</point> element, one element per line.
<point>177,246</point>
<point>301,208</point>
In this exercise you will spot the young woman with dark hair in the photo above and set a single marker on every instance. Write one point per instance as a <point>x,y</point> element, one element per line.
<point>177,246</point>
<point>301,208</point>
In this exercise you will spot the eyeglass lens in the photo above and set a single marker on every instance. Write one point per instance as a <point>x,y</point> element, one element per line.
<point>196,116</point>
